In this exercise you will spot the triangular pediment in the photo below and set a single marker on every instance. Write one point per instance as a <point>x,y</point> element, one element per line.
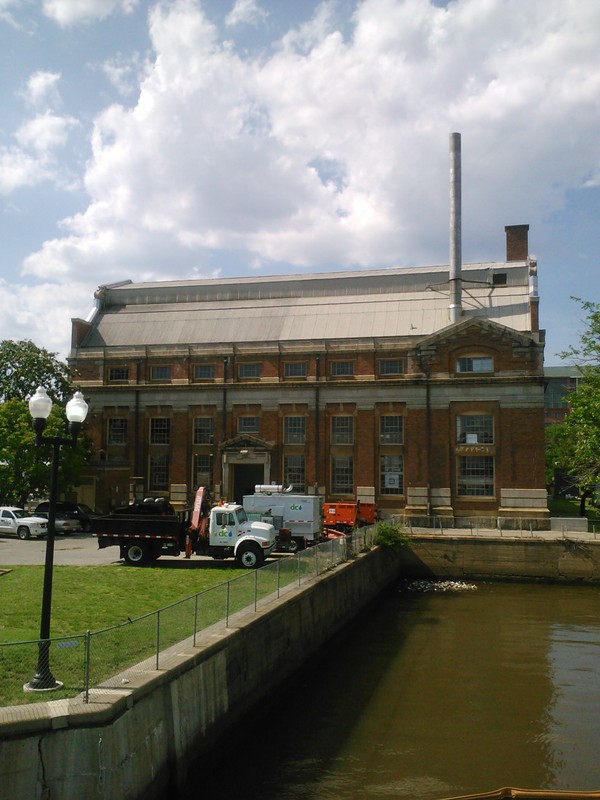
<point>476,327</point>
<point>245,441</point>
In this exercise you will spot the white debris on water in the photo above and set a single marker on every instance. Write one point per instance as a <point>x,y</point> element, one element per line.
<point>439,586</point>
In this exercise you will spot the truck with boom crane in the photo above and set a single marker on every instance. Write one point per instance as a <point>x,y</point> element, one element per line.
<point>147,530</point>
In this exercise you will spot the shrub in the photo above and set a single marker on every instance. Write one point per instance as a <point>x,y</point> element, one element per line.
<point>389,534</point>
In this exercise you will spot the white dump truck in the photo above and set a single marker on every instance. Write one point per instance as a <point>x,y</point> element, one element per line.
<point>296,517</point>
<point>146,531</point>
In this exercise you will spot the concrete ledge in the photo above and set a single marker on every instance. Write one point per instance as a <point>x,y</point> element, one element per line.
<point>507,558</point>
<point>141,741</point>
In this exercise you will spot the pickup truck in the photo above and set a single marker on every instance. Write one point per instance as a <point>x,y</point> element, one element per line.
<point>16,521</point>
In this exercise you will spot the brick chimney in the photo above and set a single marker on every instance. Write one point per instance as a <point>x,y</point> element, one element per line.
<point>517,244</point>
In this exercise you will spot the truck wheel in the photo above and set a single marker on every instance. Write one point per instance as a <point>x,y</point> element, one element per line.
<point>137,554</point>
<point>293,546</point>
<point>249,556</point>
<point>23,532</point>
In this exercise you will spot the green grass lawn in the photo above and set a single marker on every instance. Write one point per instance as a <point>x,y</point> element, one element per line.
<point>91,598</point>
<point>95,598</point>
<point>570,508</point>
<point>118,605</point>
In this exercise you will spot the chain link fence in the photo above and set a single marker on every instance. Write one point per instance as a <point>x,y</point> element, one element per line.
<point>97,662</point>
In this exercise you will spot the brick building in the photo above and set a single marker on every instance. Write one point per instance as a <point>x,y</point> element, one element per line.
<point>347,384</point>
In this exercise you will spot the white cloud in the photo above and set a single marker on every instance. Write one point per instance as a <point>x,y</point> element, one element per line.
<point>124,73</point>
<point>247,12</point>
<point>333,150</point>
<point>45,132</point>
<point>42,90</point>
<point>70,12</point>
<point>19,169</point>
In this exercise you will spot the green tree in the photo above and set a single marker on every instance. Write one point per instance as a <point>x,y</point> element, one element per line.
<point>24,367</point>
<point>580,437</point>
<point>25,467</point>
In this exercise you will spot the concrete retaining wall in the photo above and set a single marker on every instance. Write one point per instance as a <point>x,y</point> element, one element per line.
<point>560,560</point>
<point>140,741</point>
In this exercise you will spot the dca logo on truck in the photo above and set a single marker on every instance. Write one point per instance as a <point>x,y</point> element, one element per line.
<point>296,507</point>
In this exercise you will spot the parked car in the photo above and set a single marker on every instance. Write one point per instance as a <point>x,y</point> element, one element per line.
<point>62,523</point>
<point>78,511</point>
<point>18,522</point>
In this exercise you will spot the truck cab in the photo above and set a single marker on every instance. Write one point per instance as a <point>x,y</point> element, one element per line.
<point>230,529</point>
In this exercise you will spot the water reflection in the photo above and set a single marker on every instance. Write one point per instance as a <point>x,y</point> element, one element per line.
<point>433,695</point>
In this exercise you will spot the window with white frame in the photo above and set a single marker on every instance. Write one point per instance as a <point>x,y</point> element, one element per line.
<point>391,366</point>
<point>342,368</point>
<point>203,469</point>
<point>159,473</point>
<point>204,430</point>
<point>475,364</point>
<point>294,430</point>
<point>475,429</point>
<point>248,425</point>
<point>342,475</point>
<point>116,374</point>
<point>249,370</point>
<point>342,430</point>
<point>160,430</point>
<point>160,373</point>
<point>117,430</point>
<point>392,475</point>
<point>391,429</point>
<point>295,369</point>
<point>476,476</point>
<point>204,372</point>
<point>294,472</point>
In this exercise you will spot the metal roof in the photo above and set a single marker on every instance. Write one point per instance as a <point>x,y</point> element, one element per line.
<point>338,306</point>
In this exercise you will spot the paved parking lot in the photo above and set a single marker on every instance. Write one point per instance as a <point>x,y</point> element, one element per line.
<point>75,549</point>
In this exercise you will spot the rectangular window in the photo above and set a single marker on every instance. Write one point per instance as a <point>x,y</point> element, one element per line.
<point>249,370</point>
<point>556,393</point>
<point>392,475</point>
<point>204,372</point>
<point>475,364</point>
<point>475,429</point>
<point>342,430</point>
<point>342,477</point>
<point>294,473</point>
<point>295,369</point>
<point>117,431</point>
<point>160,430</point>
<point>159,473</point>
<point>294,430</point>
<point>204,430</point>
<point>340,368</point>
<point>391,366</point>
<point>476,476</point>
<point>118,373</point>
<point>161,373</point>
<point>248,425</point>
<point>203,470</point>
<point>391,430</point>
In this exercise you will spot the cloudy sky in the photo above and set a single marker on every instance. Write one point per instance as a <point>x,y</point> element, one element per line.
<point>200,138</point>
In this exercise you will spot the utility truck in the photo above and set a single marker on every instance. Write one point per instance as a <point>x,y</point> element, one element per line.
<point>296,517</point>
<point>145,531</point>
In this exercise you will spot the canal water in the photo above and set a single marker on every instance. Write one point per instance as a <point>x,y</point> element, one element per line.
<point>464,689</point>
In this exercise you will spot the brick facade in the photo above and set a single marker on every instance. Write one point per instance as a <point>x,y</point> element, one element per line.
<point>347,385</point>
<point>330,433</point>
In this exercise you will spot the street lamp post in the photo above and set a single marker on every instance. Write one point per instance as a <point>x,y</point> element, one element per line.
<point>40,406</point>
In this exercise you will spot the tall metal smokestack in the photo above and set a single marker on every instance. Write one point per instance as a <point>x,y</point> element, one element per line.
<point>455,307</point>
